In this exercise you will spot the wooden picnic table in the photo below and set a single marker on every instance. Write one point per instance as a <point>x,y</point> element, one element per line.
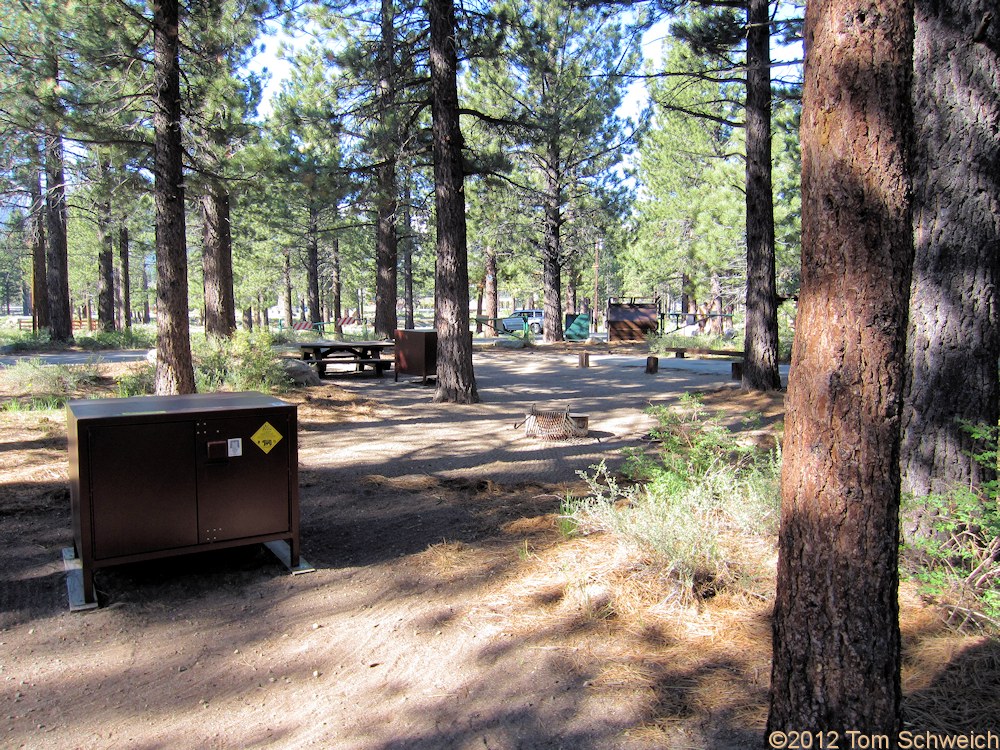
<point>361,354</point>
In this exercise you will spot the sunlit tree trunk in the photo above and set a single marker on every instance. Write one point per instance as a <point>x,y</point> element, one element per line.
<point>174,369</point>
<point>552,249</point>
<point>36,245</point>
<point>836,660</point>
<point>490,293</point>
<point>126,282</point>
<point>217,263</point>
<point>286,278</point>
<point>337,286</point>
<point>105,267</point>
<point>760,359</point>
<point>56,258</point>
<point>312,264</point>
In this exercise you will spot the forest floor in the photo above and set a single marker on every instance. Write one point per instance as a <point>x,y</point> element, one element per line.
<point>447,610</point>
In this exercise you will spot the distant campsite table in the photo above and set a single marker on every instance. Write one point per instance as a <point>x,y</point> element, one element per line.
<point>361,354</point>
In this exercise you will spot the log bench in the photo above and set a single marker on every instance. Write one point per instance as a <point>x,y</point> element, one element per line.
<point>680,352</point>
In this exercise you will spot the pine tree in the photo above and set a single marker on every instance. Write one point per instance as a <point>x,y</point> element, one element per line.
<point>174,368</point>
<point>561,77</point>
<point>954,334</point>
<point>836,661</point>
<point>456,379</point>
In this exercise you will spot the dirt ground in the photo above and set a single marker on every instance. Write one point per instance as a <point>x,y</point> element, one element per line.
<point>446,611</point>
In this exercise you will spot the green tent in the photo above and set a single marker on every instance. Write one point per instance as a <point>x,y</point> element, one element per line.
<point>579,329</point>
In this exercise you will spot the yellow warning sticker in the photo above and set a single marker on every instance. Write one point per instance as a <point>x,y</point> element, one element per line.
<point>266,437</point>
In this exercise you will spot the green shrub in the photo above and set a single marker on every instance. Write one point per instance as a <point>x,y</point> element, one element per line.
<point>139,382</point>
<point>34,403</point>
<point>50,386</point>
<point>135,337</point>
<point>958,559</point>
<point>245,362</point>
<point>35,376</point>
<point>693,505</point>
<point>26,341</point>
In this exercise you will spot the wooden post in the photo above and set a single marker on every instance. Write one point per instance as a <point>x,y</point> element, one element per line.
<point>652,365</point>
<point>584,359</point>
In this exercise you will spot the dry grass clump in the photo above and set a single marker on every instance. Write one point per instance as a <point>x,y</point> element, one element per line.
<point>706,533</point>
<point>951,679</point>
<point>621,619</point>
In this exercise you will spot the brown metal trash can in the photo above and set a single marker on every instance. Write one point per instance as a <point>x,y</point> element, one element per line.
<point>416,353</point>
<point>156,476</point>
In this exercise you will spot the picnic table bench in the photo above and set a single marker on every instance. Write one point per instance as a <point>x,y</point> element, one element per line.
<point>680,352</point>
<point>360,354</point>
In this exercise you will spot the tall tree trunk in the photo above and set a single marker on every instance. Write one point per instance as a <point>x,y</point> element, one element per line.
<point>408,243</point>
<point>217,263</point>
<point>954,318</point>
<point>572,285</point>
<point>56,251</point>
<point>145,294</point>
<point>126,283</point>
<point>286,277</point>
<point>105,267</point>
<point>490,289</point>
<point>456,379</point>
<point>836,639</point>
<point>714,308</point>
<point>36,243</point>
<point>174,369</point>
<point>760,346</point>
<point>552,329</point>
<point>312,264</point>
<point>386,252</point>
<point>686,299</point>
<point>387,200</point>
<point>119,323</point>
<point>337,284</point>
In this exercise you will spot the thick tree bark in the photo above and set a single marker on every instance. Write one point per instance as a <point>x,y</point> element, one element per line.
<point>312,265</point>
<point>105,267</point>
<point>387,199</point>
<point>36,244</point>
<point>760,346</point>
<point>174,369</point>
<point>954,335</point>
<point>126,282</point>
<point>386,251</point>
<point>552,250</point>
<point>490,292</point>
<point>56,250</point>
<point>836,633</point>
<point>409,303</point>
<point>456,379</point>
<point>146,318</point>
<point>286,278</point>
<point>217,263</point>
<point>337,286</point>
